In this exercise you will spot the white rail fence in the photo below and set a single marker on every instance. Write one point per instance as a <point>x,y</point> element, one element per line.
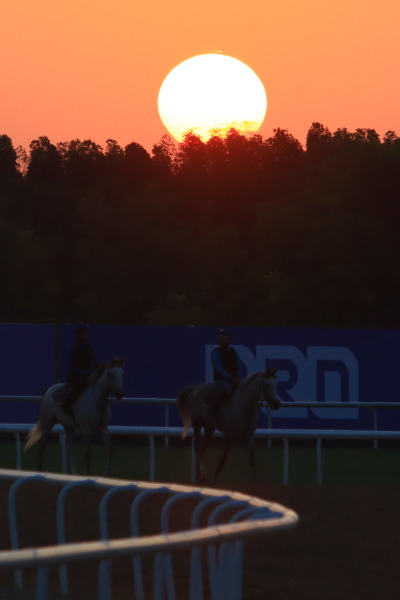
<point>220,576</point>
<point>375,407</point>
<point>282,434</point>
<point>269,433</point>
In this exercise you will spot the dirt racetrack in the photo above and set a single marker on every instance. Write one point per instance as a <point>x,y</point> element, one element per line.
<point>345,546</point>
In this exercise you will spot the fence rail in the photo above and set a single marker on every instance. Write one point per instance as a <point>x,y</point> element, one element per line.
<point>269,434</point>
<point>223,536</point>
<point>167,402</point>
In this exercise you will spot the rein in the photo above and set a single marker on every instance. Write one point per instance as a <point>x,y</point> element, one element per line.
<point>97,377</point>
<point>254,398</point>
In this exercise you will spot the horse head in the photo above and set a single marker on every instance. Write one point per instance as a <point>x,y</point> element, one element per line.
<point>269,392</point>
<point>117,362</point>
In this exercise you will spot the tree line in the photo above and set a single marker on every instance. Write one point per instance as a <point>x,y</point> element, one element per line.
<point>239,230</point>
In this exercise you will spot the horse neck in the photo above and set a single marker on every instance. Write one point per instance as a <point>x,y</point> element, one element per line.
<point>251,391</point>
<point>100,386</point>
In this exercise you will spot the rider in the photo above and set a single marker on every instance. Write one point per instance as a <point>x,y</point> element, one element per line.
<point>82,365</point>
<point>227,367</point>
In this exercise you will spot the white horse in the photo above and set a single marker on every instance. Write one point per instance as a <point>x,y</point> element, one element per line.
<point>237,419</point>
<point>90,413</point>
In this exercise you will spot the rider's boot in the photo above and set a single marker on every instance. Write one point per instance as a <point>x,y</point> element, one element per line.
<point>69,400</point>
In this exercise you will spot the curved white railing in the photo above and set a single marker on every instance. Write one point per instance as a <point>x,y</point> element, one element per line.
<point>223,537</point>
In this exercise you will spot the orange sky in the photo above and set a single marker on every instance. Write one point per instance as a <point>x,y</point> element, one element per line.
<point>93,68</point>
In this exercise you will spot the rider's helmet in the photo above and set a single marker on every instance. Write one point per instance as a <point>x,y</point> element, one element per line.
<point>81,328</point>
<point>225,334</point>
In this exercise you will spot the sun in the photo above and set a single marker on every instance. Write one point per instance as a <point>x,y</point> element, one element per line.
<point>210,94</point>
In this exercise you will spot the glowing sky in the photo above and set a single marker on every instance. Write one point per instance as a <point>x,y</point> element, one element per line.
<point>93,68</point>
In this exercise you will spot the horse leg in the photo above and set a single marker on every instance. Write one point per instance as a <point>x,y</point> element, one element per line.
<point>200,474</point>
<point>86,437</point>
<point>252,461</point>
<point>202,446</point>
<point>45,429</point>
<point>88,456</point>
<point>71,436</point>
<point>106,439</point>
<point>40,451</point>
<point>222,460</point>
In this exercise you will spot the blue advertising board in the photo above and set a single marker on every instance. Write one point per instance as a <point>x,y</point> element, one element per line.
<point>315,365</point>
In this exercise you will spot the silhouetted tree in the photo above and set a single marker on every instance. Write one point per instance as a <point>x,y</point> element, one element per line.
<point>318,141</point>
<point>10,180</point>
<point>9,172</point>
<point>285,150</point>
<point>138,165</point>
<point>391,139</point>
<point>164,156</point>
<point>83,162</point>
<point>44,161</point>
<point>30,291</point>
<point>241,230</point>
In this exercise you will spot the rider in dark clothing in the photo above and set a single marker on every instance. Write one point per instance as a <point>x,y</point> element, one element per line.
<point>82,365</point>
<point>227,368</point>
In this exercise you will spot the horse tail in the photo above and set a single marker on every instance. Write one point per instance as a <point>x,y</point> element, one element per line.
<point>33,436</point>
<point>183,408</point>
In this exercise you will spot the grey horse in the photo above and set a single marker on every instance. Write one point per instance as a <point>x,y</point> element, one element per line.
<point>90,413</point>
<point>237,419</point>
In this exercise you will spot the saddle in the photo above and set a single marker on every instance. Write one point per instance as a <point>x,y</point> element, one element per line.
<point>65,397</point>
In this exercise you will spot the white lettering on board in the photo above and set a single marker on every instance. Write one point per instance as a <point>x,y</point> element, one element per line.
<point>321,374</point>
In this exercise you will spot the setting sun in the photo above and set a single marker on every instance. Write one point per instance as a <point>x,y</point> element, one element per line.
<point>209,94</point>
